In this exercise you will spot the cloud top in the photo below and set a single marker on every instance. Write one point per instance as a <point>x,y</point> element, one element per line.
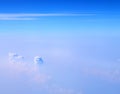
<point>38,60</point>
<point>18,67</point>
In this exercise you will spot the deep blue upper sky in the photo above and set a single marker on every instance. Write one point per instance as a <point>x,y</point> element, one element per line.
<point>75,6</point>
<point>107,14</point>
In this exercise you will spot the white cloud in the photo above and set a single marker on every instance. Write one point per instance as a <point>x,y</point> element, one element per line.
<point>43,15</point>
<point>34,16</point>
<point>33,74</point>
<point>14,57</point>
<point>16,68</point>
<point>38,60</point>
<point>20,57</point>
<point>12,54</point>
<point>16,18</point>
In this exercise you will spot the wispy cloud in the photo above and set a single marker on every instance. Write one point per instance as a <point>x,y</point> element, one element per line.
<point>33,16</point>
<point>16,18</point>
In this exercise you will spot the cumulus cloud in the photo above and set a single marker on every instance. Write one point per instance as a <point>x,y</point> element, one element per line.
<point>14,57</point>
<point>38,60</point>
<point>29,73</point>
<point>17,67</point>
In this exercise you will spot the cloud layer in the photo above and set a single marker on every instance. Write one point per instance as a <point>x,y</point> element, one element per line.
<point>32,73</point>
<point>18,66</point>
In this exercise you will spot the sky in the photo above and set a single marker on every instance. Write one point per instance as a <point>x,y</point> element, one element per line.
<point>59,46</point>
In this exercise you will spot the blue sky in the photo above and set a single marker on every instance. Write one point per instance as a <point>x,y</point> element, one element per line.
<point>59,46</point>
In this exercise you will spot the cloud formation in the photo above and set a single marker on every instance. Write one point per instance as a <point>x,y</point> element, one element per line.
<point>34,16</point>
<point>16,66</point>
<point>32,74</point>
<point>16,18</point>
<point>38,60</point>
<point>14,57</point>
